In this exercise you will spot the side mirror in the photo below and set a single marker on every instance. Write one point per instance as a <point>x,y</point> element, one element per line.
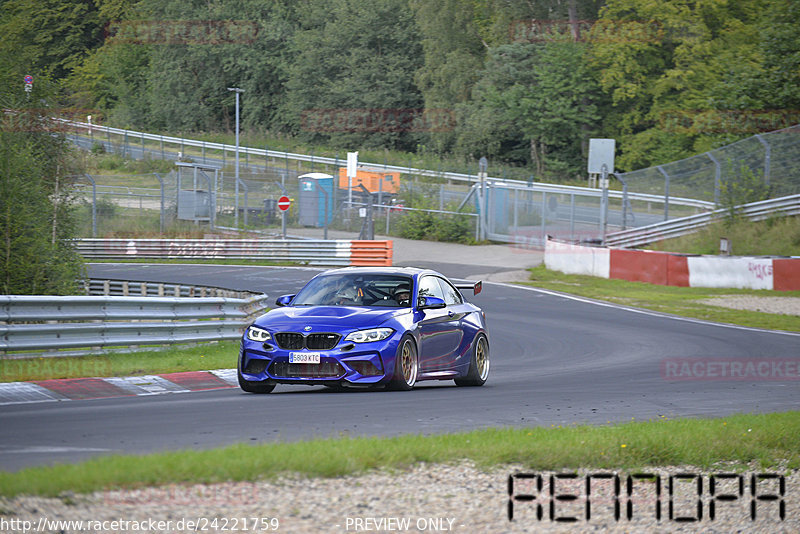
<point>430,303</point>
<point>284,300</point>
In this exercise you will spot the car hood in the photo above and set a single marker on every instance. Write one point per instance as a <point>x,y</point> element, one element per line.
<point>335,317</point>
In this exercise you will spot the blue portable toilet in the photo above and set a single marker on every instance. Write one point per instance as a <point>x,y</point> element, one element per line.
<point>315,189</point>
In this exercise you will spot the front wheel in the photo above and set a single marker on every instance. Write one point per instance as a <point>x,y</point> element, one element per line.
<point>406,366</point>
<point>478,365</point>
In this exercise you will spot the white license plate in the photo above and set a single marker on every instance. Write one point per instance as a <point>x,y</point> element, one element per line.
<point>304,357</point>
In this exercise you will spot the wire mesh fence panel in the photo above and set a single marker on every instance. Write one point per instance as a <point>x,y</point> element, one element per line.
<point>784,161</point>
<point>114,204</point>
<point>768,163</point>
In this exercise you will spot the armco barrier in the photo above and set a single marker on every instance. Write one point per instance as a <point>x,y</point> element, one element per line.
<point>312,252</point>
<point>664,268</point>
<point>129,288</point>
<point>54,323</point>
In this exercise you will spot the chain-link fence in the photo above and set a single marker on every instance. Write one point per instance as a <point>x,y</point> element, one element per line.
<point>194,199</point>
<point>771,159</point>
<point>203,193</point>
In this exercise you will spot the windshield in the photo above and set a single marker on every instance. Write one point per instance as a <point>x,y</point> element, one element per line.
<point>356,289</point>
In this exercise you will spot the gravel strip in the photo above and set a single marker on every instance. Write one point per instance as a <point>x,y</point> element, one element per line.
<point>779,305</point>
<point>427,498</point>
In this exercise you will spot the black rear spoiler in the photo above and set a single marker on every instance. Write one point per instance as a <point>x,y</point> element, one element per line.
<point>476,287</point>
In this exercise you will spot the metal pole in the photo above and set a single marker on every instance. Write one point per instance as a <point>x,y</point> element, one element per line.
<point>604,201</point>
<point>624,205</point>
<point>94,205</point>
<point>236,193</point>
<point>161,212</point>
<point>324,194</point>
<point>717,176</point>
<point>767,157</point>
<point>572,216</point>
<point>283,212</point>
<point>666,192</point>
<point>245,202</point>
<point>543,234</point>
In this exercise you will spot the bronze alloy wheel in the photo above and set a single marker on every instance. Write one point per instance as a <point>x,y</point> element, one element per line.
<point>478,365</point>
<point>406,365</point>
<point>482,358</point>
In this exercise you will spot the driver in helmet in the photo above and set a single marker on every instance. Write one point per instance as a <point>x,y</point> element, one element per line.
<point>402,294</point>
<point>349,293</point>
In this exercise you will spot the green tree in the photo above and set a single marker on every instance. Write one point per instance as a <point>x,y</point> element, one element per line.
<point>36,209</point>
<point>545,91</point>
<point>670,68</point>
<point>354,58</point>
<point>453,57</point>
<point>49,36</point>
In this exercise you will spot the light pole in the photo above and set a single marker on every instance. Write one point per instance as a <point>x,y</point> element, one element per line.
<point>236,210</point>
<point>483,167</point>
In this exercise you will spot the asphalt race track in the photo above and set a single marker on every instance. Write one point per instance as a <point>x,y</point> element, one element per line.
<point>554,361</point>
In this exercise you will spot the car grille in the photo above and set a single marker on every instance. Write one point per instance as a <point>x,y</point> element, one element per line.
<point>322,341</point>
<point>295,341</point>
<point>289,340</point>
<point>306,370</point>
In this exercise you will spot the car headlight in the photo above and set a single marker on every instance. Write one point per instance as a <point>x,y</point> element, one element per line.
<point>367,336</point>
<point>255,333</point>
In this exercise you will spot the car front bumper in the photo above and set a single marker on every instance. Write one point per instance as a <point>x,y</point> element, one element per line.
<point>362,364</point>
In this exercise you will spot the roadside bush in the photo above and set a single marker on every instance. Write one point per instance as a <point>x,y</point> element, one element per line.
<point>435,227</point>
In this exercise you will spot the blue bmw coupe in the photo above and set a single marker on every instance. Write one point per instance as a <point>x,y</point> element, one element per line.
<point>368,327</point>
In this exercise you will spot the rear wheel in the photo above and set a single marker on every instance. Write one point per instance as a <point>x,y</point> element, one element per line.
<point>250,386</point>
<point>478,365</point>
<point>406,365</point>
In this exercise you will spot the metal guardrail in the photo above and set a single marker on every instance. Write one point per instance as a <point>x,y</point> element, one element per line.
<point>126,288</point>
<point>455,176</point>
<point>312,252</point>
<point>756,211</point>
<point>54,323</point>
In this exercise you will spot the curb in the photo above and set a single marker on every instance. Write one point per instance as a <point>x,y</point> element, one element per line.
<point>66,389</point>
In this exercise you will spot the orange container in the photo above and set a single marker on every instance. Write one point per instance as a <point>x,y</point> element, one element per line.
<point>374,181</point>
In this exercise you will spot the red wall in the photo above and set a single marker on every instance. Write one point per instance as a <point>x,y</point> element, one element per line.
<point>649,266</point>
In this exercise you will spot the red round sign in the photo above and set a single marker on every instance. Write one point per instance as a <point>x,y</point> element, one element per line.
<point>283,203</point>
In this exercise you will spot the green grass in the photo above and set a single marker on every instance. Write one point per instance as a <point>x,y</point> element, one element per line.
<point>219,355</point>
<point>769,440</point>
<point>676,300</point>
<point>778,236</point>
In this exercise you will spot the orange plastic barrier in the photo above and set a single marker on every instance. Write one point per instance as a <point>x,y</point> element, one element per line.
<point>371,253</point>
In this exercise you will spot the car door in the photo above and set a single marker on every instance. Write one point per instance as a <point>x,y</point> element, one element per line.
<point>440,332</point>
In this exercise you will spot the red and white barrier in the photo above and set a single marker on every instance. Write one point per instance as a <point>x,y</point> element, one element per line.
<point>670,269</point>
<point>577,259</point>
